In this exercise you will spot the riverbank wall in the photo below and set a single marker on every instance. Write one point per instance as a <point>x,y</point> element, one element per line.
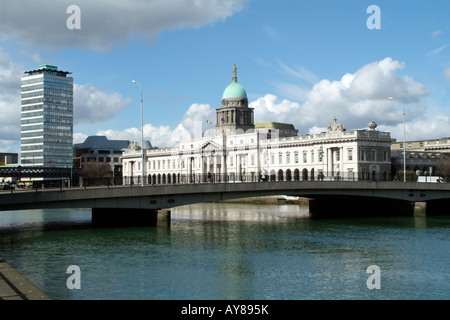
<point>14,286</point>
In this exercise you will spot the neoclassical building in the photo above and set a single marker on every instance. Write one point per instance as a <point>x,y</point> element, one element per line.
<point>241,150</point>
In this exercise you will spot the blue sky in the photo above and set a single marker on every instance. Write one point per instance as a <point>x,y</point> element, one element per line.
<point>301,62</point>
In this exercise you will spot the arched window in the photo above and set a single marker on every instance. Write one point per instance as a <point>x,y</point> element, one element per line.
<point>288,175</point>
<point>280,175</point>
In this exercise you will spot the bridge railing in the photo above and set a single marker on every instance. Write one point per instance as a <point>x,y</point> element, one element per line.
<point>177,178</point>
<point>195,178</point>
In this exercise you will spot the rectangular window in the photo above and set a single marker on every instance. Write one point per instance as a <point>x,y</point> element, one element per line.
<point>280,158</point>
<point>374,155</point>
<point>350,154</point>
<point>288,158</point>
<point>312,156</point>
<point>305,157</point>
<point>296,157</point>
<point>338,155</point>
<point>385,156</point>
<point>272,159</point>
<point>252,160</point>
<point>363,155</point>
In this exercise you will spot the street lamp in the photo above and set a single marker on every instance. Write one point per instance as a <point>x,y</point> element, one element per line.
<point>404,142</point>
<point>142,134</point>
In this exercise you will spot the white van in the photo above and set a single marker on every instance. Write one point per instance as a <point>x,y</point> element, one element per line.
<point>431,179</point>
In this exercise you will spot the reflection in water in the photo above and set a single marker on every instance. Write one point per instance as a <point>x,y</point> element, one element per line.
<point>231,251</point>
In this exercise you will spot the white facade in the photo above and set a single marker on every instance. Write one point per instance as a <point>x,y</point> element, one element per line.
<point>354,155</point>
<point>233,154</point>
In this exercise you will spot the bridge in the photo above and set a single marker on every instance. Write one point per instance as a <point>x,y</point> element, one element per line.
<point>127,204</point>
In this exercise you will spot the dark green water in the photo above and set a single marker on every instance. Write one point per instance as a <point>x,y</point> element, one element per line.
<point>231,251</point>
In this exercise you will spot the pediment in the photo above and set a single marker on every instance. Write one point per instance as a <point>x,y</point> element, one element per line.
<point>209,146</point>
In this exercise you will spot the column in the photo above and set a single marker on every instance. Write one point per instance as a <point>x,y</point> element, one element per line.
<point>238,165</point>
<point>223,168</point>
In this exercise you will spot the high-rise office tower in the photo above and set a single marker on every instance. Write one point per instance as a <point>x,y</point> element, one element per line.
<point>47,118</point>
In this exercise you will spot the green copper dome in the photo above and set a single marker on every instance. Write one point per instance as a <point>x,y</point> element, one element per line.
<point>234,90</point>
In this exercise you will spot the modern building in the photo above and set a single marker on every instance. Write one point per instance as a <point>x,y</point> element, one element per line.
<point>47,118</point>
<point>8,158</point>
<point>241,150</point>
<point>100,149</point>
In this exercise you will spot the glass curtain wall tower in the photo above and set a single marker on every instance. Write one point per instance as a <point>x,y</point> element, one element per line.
<point>47,118</point>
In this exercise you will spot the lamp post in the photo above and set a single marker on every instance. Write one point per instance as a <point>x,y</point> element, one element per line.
<point>404,142</point>
<point>142,134</point>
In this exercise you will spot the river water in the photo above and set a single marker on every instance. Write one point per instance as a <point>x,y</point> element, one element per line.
<point>231,251</point>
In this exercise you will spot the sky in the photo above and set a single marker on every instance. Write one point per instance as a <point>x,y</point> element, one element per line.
<point>300,61</point>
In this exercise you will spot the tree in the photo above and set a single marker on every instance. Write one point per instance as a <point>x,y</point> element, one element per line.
<point>410,176</point>
<point>96,173</point>
<point>443,165</point>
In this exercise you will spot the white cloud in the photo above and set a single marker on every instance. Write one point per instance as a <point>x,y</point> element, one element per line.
<point>191,126</point>
<point>105,23</point>
<point>79,137</point>
<point>9,103</point>
<point>268,108</point>
<point>356,99</point>
<point>420,128</point>
<point>92,104</point>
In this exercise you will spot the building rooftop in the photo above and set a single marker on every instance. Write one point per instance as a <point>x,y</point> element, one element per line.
<point>102,142</point>
<point>47,67</point>
<point>276,125</point>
